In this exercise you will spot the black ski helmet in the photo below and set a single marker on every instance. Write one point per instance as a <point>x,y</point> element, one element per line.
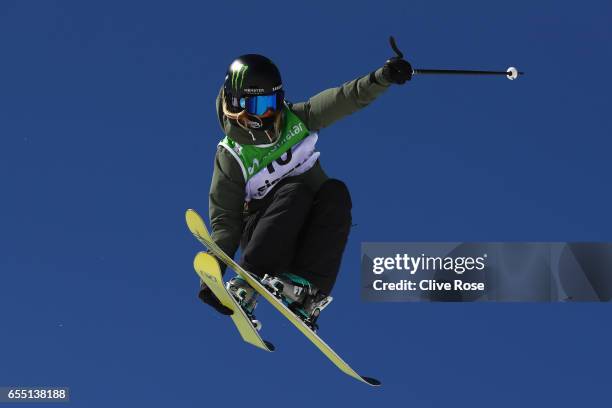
<point>253,92</point>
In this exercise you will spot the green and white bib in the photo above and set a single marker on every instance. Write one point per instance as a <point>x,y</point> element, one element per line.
<point>265,165</point>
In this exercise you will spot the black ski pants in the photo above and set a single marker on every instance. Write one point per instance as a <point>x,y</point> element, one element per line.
<point>297,231</point>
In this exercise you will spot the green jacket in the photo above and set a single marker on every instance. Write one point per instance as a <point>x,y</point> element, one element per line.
<point>227,189</point>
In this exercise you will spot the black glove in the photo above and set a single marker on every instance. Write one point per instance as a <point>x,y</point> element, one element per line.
<point>397,70</point>
<point>207,296</point>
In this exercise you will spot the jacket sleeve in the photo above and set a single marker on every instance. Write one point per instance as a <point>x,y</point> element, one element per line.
<point>226,202</point>
<point>333,104</point>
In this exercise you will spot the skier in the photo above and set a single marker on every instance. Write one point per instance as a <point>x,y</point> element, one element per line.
<point>269,193</point>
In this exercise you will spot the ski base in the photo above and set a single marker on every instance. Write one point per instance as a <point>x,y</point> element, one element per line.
<point>208,270</point>
<point>198,229</point>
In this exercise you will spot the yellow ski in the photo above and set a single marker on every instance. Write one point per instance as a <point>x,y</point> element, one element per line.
<point>198,229</point>
<point>208,269</point>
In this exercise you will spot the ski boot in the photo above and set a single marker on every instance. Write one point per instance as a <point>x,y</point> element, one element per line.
<point>300,296</point>
<point>246,297</point>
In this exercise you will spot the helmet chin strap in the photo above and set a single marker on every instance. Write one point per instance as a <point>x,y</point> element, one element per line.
<point>277,122</point>
<point>277,125</point>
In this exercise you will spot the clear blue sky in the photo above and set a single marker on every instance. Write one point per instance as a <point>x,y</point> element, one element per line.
<point>107,134</point>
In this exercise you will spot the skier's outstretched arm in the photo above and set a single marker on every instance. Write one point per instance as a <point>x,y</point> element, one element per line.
<point>332,104</point>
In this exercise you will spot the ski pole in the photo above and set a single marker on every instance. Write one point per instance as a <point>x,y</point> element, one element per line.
<point>511,73</point>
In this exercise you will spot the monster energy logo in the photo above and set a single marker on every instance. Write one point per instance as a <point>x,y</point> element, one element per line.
<point>238,72</point>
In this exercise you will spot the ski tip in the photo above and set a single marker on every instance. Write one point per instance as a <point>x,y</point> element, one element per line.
<point>191,213</point>
<point>194,221</point>
<point>188,215</point>
<point>269,345</point>
<point>371,381</point>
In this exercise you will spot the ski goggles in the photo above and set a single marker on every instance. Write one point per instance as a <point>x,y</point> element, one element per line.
<point>260,104</point>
